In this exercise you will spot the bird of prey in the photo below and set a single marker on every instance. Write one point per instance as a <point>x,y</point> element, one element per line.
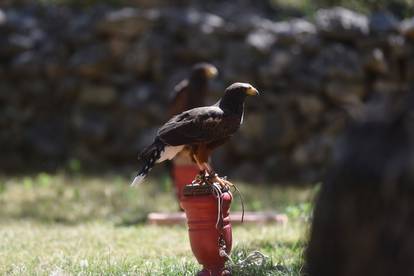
<point>199,131</point>
<point>191,93</point>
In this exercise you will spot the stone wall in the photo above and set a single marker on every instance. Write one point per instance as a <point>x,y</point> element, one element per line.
<point>93,84</point>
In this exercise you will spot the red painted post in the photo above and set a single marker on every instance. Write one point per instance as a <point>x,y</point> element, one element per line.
<point>182,174</point>
<point>206,238</point>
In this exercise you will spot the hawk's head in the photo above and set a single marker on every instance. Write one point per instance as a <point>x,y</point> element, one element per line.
<point>204,70</point>
<point>235,95</point>
<point>241,90</point>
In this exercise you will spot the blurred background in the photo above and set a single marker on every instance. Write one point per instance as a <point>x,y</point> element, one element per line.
<point>84,85</point>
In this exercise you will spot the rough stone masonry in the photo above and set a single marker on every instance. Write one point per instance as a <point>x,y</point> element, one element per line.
<point>93,84</point>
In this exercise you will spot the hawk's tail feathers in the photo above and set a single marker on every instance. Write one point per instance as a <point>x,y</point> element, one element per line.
<point>137,180</point>
<point>150,156</point>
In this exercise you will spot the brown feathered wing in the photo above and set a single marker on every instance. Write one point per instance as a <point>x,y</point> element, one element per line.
<point>198,125</point>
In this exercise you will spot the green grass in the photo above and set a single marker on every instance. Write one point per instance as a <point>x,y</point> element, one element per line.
<point>78,225</point>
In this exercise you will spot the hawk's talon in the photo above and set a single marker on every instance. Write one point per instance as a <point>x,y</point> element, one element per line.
<point>225,184</point>
<point>199,178</point>
<point>210,177</point>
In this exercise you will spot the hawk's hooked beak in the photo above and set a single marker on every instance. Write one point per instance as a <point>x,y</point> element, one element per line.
<point>211,72</point>
<point>251,91</point>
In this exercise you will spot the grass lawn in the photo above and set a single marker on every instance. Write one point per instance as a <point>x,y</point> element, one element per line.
<point>79,225</point>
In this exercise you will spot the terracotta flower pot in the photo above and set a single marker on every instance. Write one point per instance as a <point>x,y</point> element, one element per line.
<point>205,238</point>
<point>183,174</point>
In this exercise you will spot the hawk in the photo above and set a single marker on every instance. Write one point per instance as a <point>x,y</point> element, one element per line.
<point>191,93</point>
<point>199,131</point>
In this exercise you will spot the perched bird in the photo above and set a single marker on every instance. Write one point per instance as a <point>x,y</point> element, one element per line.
<point>187,94</point>
<point>199,131</point>
<point>191,93</point>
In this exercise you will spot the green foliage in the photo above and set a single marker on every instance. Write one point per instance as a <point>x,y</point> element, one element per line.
<point>401,8</point>
<point>82,3</point>
<point>74,166</point>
